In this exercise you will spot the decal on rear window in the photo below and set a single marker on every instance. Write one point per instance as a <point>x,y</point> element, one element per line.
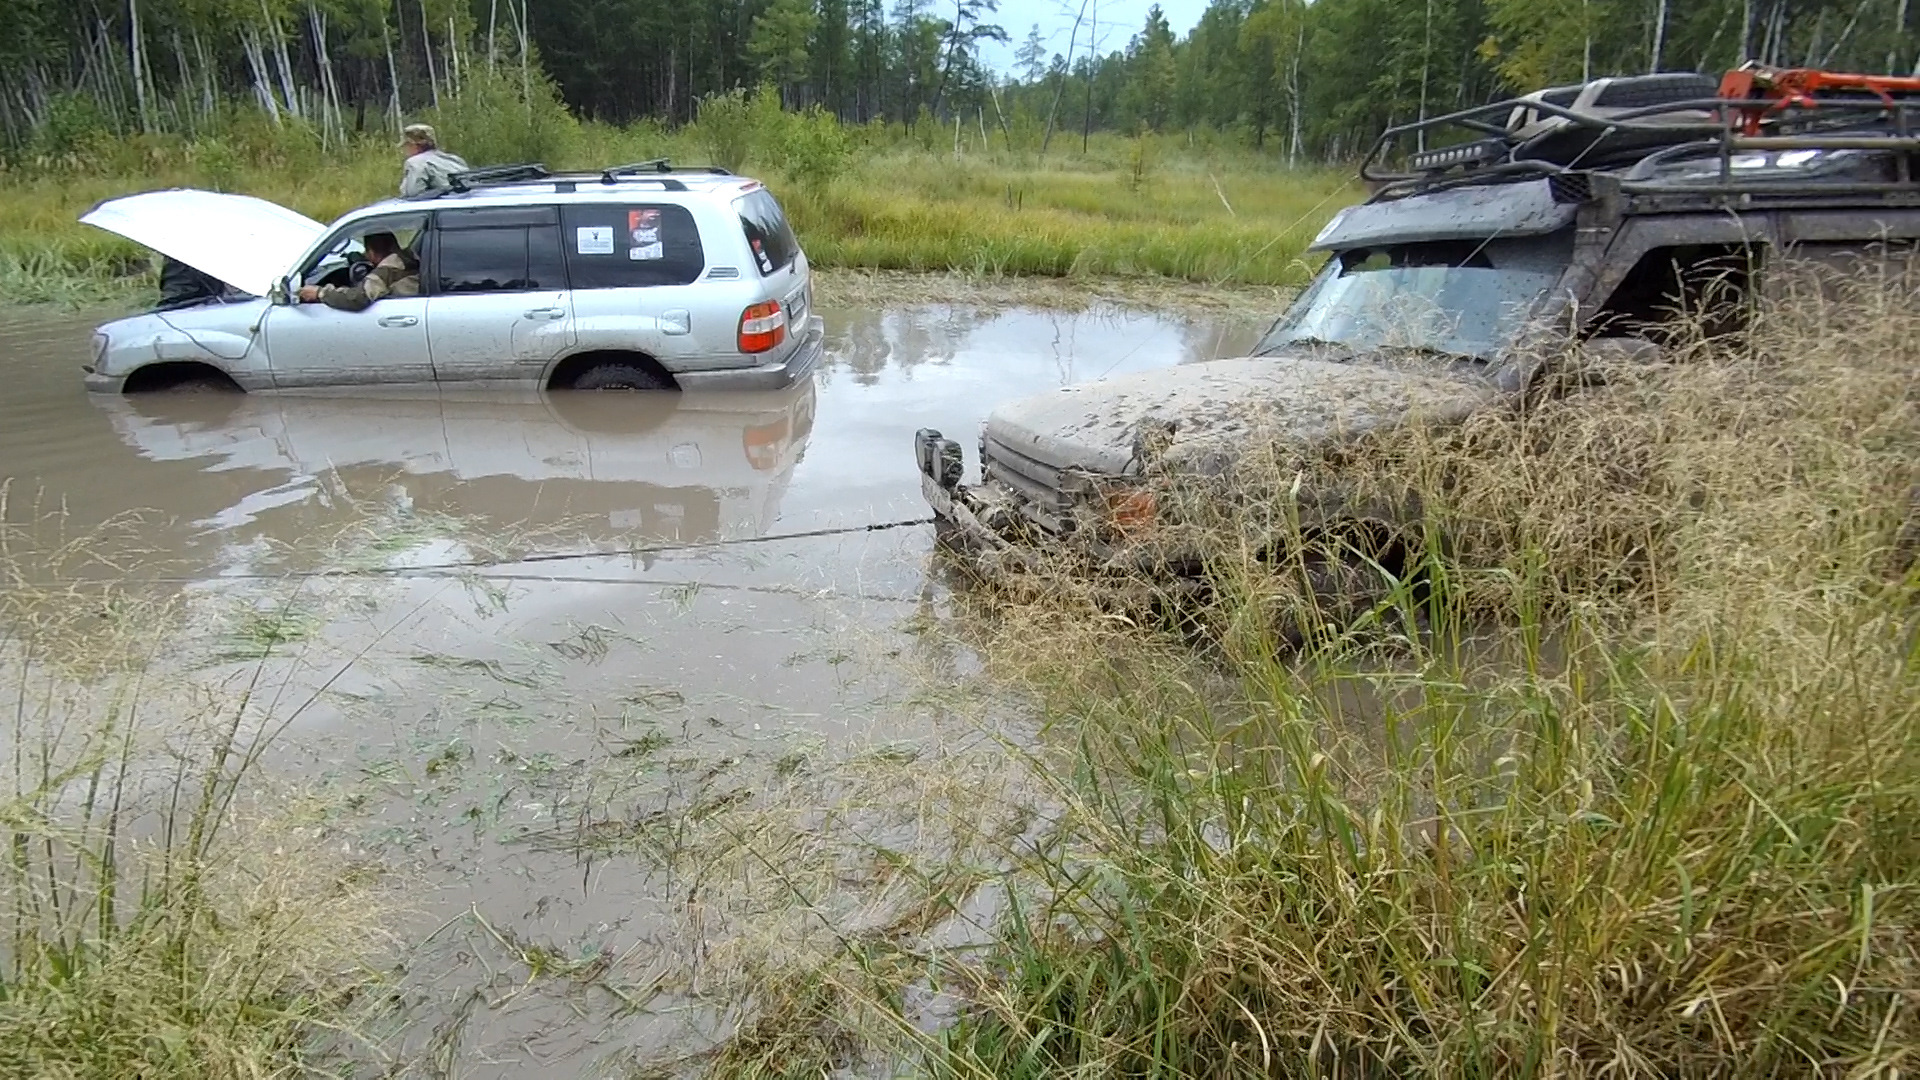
<point>593,240</point>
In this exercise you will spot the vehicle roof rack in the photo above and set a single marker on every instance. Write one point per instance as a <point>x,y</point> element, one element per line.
<point>493,175</point>
<point>1640,120</point>
<point>657,165</point>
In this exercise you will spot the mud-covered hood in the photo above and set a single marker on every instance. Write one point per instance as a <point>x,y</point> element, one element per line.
<point>1212,407</point>
<point>246,242</point>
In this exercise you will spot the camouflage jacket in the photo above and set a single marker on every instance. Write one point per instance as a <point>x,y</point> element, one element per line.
<point>428,171</point>
<point>392,276</point>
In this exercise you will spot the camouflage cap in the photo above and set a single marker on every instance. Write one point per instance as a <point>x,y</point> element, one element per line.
<point>418,135</point>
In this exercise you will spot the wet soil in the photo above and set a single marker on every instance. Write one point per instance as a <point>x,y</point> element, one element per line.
<point>639,702</point>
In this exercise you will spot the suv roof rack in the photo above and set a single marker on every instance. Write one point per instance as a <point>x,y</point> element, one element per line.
<point>494,175</point>
<point>1642,120</point>
<point>657,165</point>
<point>658,169</point>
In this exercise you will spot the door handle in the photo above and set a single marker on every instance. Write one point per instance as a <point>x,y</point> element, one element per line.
<point>400,320</point>
<point>547,313</point>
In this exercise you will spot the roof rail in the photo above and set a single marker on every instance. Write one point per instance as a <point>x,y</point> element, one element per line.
<point>496,174</point>
<point>1537,135</point>
<point>656,165</point>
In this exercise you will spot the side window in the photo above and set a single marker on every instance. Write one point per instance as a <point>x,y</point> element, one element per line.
<point>768,233</point>
<point>1678,292</point>
<point>482,260</point>
<point>348,246</point>
<point>513,250</point>
<point>631,245</point>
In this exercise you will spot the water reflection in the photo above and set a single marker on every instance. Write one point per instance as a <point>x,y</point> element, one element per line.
<point>653,467</point>
<point>218,475</point>
<point>865,342</point>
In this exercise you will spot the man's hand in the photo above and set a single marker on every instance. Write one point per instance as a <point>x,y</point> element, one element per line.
<point>309,293</point>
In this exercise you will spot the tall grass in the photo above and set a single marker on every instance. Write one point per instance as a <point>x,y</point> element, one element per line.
<point>1614,771</point>
<point>159,919</point>
<point>878,197</point>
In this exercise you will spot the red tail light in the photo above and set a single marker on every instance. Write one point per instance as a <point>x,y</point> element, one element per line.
<point>762,327</point>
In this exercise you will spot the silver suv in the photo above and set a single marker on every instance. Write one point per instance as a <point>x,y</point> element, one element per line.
<point>641,277</point>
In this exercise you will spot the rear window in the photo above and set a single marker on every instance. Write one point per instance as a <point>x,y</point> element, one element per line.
<point>768,233</point>
<point>630,245</point>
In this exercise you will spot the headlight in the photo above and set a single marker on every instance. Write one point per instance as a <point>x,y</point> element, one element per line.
<point>100,343</point>
<point>1129,510</point>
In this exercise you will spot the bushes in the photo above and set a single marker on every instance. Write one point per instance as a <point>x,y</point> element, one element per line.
<point>499,120</point>
<point>810,146</point>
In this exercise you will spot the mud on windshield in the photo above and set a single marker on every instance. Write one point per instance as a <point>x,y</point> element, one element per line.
<point>1464,298</point>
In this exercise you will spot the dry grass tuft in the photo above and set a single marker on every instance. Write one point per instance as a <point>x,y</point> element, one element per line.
<point>1608,765</point>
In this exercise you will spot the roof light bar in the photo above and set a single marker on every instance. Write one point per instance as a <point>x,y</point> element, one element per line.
<point>1473,153</point>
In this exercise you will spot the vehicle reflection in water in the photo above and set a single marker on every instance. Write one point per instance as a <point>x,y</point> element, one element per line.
<point>682,468</point>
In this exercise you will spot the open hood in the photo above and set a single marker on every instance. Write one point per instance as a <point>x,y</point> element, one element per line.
<point>246,242</point>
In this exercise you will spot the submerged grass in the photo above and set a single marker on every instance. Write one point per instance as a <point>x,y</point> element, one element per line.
<point>1621,779</point>
<point>160,917</point>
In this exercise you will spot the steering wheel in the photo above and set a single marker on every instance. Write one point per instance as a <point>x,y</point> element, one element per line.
<point>358,267</point>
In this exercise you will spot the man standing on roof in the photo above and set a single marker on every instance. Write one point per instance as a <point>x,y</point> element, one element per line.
<point>428,168</point>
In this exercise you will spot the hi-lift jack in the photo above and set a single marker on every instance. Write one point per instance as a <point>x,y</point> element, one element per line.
<point>1773,90</point>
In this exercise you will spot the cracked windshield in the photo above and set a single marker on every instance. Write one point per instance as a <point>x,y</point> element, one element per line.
<point>791,539</point>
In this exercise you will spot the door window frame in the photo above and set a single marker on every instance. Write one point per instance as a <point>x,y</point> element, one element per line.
<point>489,217</point>
<point>361,227</point>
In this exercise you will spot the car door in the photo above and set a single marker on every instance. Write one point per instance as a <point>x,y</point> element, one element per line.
<point>498,308</point>
<point>313,345</point>
<point>633,265</point>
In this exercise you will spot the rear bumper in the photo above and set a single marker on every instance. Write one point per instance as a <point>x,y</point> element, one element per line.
<point>776,376</point>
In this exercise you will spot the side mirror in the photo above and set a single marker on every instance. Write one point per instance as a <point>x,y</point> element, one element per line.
<point>279,295</point>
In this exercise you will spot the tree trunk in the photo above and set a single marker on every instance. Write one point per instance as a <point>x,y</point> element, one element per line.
<point>288,96</point>
<point>1659,35</point>
<point>1426,70</point>
<point>393,76</point>
<point>262,80</point>
<point>994,89</point>
<point>209,100</point>
<point>1060,88</point>
<point>1293,97</point>
<point>426,41</point>
<point>1847,32</point>
<point>1093,70</point>
<point>138,58</point>
<point>493,19</point>
<point>453,57</point>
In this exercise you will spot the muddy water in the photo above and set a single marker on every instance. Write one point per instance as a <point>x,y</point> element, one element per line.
<point>617,691</point>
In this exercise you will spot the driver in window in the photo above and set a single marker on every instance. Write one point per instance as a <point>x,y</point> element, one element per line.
<point>393,273</point>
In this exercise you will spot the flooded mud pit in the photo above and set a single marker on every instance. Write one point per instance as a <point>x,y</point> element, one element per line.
<point>632,697</point>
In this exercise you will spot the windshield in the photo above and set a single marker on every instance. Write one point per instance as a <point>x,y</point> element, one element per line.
<point>1466,298</point>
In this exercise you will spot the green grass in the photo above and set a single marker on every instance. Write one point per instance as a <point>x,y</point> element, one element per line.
<point>1126,208</point>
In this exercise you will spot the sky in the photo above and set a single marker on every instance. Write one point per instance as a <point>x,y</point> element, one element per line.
<point>1119,21</point>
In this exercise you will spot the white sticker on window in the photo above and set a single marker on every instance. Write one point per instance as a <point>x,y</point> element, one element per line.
<point>594,239</point>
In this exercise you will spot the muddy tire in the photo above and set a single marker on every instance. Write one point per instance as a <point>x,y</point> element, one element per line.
<point>620,377</point>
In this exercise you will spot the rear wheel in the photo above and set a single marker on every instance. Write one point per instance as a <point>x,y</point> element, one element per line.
<point>615,376</point>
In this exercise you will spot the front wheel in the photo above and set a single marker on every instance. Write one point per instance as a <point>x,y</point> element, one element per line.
<point>620,377</point>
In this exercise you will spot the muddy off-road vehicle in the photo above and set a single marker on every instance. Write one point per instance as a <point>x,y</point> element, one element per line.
<point>1570,223</point>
